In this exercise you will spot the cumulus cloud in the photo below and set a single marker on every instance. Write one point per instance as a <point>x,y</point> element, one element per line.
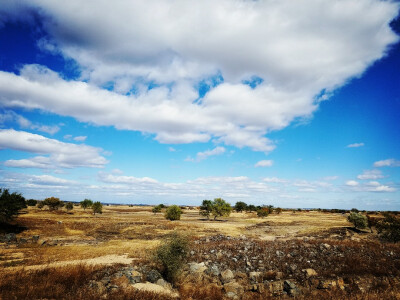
<point>352,183</point>
<point>371,186</point>
<point>264,163</point>
<point>59,154</point>
<point>204,155</point>
<point>355,145</point>
<point>188,42</point>
<point>387,163</point>
<point>370,174</point>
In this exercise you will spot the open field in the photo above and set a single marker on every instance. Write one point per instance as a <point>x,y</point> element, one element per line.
<point>262,254</point>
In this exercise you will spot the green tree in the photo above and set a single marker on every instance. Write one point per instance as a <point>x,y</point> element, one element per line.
<point>240,206</point>
<point>173,213</point>
<point>87,203</point>
<point>53,203</point>
<point>10,205</point>
<point>263,212</point>
<point>31,202</point>
<point>206,208</point>
<point>97,208</point>
<point>69,206</point>
<point>171,255</point>
<point>220,208</point>
<point>359,220</point>
<point>251,208</point>
<point>156,209</point>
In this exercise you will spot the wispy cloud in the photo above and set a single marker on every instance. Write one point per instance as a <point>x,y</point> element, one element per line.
<point>355,145</point>
<point>387,163</point>
<point>264,163</point>
<point>204,155</point>
<point>370,174</point>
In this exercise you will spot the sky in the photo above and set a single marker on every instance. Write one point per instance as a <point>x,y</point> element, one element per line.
<point>294,104</point>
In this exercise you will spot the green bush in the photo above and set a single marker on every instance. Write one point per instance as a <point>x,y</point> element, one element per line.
<point>53,203</point>
<point>173,213</point>
<point>87,203</point>
<point>278,210</point>
<point>359,220</point>
<point>171,255</point>
<point>10,205</point>
<point>389,228</point>
<point>156,209</point>
<point>69,206</point>
<point>97,208</point>
<point>263,212</point>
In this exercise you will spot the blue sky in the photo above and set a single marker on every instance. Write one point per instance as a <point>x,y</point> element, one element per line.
<point>282,103</point>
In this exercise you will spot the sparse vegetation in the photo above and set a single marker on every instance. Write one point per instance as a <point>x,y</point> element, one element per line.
<point>69,206</point>
<point>97,208</point>
<point>359,220</point>
<point>278,210</point>
<point>206,208</point>
<point>263,212</point>
<point>156,209</point>
<point>171,255</point>
<point>173,213</point>
<point>10,205</point>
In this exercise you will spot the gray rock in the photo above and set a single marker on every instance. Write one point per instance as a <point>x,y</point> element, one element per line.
<point>153,276</point>
<point>290,288</point>
<point>214,270</point>
<point>23,241</point>
<point>10,237</point>
<point>197,267</point>
<point>135,277</point>
<point>163,283</point>
<point>227,276</point>
<point>35,238</point>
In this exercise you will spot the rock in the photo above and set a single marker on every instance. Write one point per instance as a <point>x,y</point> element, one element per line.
<point>233,290</point>
<point>326,284</point>
<point>154,288</point>
<point>310,272</point>
<point>276,288</point>
<point>227,276</point>
<point>153,276</point>
<point>279,275</point>
<point>10,237</point>
<point>163,283</point>
<point>106,280</point>
<point>98,286</point>
<point>112,287</point>
<point>197,267</point>
<point>214,270</point>
<point>35,238</point>
<point>23,241</point>
<point>192,253</point>
<point>135,277</point>
<point>290,288</point>
<point>255,277</point>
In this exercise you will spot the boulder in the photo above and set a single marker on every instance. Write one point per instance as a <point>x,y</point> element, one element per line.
<point>227,276</point>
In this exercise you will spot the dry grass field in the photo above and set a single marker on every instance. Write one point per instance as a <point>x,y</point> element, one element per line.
<point>74,250</point>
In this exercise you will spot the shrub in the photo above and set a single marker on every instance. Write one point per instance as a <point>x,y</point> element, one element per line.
<point>87,203</point>
<point>220,208</point>
<point>10,205</point>
<point>359,220</point>
<point>97,208</point>
<point>40,204</point>
<point>171,255</point>
<point>31,202</point>
<point>206,208</point>
<point>251,208</point>
<point>389,228</point>
<point>262,213</point>
<point>278,210</point>
<point>240,206</point>
<point>53,203</point>
<point>173,213</point>
<point>156,209</point>
<point>69,206</point>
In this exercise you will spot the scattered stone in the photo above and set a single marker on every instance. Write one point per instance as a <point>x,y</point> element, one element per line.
<point>153,276</point>
<point>154,288</point>
<point>276,288</point>
<point>310,272</point>
<point>326,284</point>
<point>163,283</point>
<point>35,238</point>
<point>214,270</point>
<point>279,275</point>
<point>197,267</point>
<point>135,277</point>
<point>255,277</point>
<point>10,237</point>
<point>22,241</point>
<point>227,276</point>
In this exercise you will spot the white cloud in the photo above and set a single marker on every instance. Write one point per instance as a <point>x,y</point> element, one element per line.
<point>80,138</point>
<point>264,163</point>
<point>10,116</point>
<point>274,180</point>
<point>49,180</point>
<point>204,155</point>
<point>387,163</point>
<point>352,183</point>
<point>370,174</point>
<point>355,145</point>
<point>319,49</point>
<point>64,155</point>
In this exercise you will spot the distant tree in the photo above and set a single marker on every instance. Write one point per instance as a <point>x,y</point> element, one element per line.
<point>269,208</point>
<point>263,212</point>
<point>53,203</point>
<point>206,208</point>
<point>69,206</point>
<point>173,213</point>
<point>240,206</point>
<point>31,202</point>
<point>40,204</point>
<point>97,208</point>
<point>251,208</point>
<point>278,210</point>
<point>354,210</point>
<point>87,203</point>
<point>220,208</point>
<point>10,205</point>
<point>359,220</point>
<point>156,209</point>
<point>162,205</point>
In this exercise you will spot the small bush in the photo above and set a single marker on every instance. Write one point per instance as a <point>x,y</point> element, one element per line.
<point>171,255</point>
<point>262,213</point>
<point>173,213</point>
<point>69,206</point>
<point>359,220</point>
<point>97,208</point>
<point>278,210</point>
<point>389,228</point>
<point>156,209</point>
